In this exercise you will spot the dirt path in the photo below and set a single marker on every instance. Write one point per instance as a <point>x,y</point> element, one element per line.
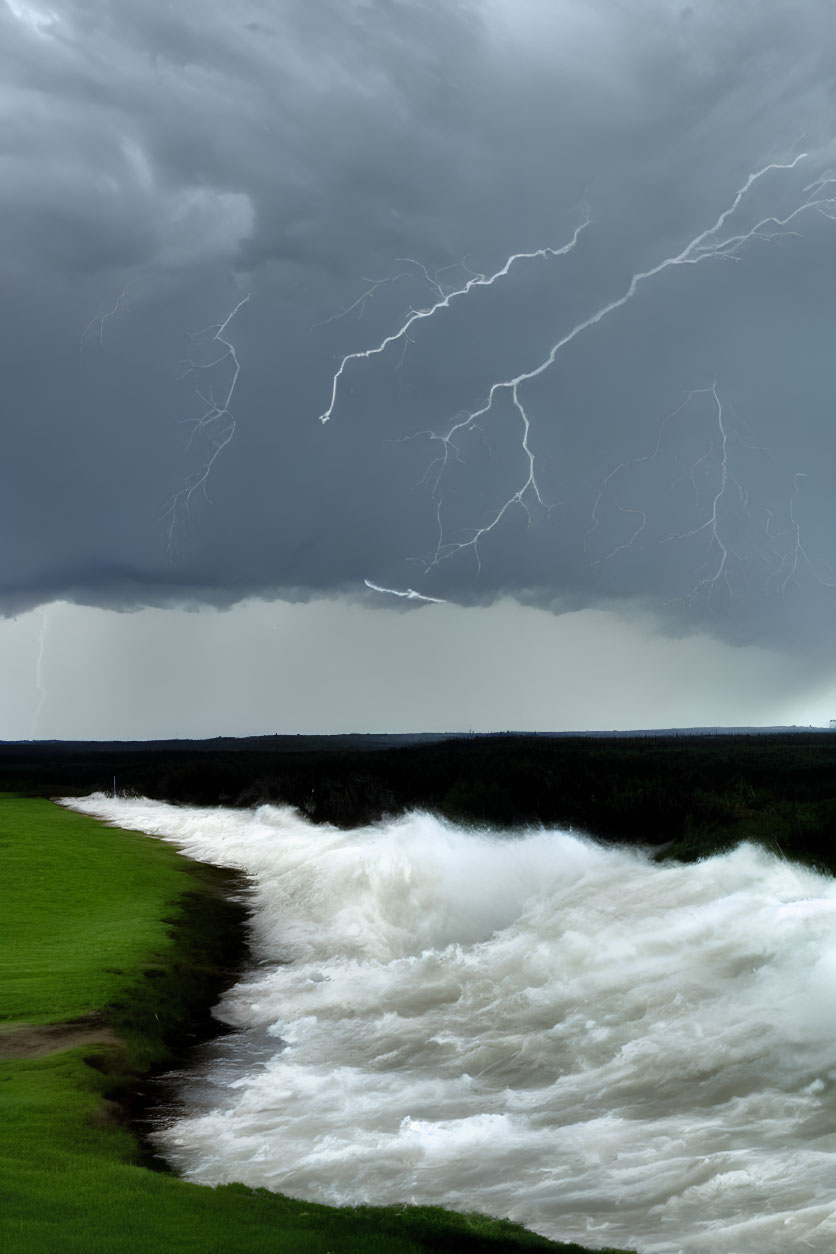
<point>28,1040</point>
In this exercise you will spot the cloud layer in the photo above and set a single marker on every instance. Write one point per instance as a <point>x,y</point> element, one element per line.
<point>347,166</point>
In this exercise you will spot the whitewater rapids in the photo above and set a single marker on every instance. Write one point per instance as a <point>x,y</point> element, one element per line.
<point>535,1026</point>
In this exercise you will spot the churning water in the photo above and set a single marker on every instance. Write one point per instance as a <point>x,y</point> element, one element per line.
<point>604,1049</point>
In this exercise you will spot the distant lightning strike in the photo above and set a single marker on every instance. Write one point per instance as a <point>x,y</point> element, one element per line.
<point>99,319</point>
<point>797,556</point>
<point>627,544</point>
<point>712,525</point>
<point>217,421</point>
<point>710,244</point>
<point>39,678</point>
<point>728,500</point>
<point>605,487</point>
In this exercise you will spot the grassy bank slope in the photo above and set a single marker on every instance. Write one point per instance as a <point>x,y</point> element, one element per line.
<point>111,947</point>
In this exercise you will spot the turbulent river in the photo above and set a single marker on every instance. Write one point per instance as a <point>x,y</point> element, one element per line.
<point>604,1049</point>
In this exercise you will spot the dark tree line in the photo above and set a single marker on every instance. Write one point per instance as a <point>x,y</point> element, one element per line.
<point>688,795</point>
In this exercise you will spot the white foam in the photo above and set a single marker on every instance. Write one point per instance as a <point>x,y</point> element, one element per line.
<point>604,1049</point>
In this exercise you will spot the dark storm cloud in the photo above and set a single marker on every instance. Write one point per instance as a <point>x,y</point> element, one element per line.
<point>161,162</point>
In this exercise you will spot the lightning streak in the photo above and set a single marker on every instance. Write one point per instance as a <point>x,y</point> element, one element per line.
<point>444,301</point>
<point>409,593</point>
<point>217,421</point>
<point>623,466</point>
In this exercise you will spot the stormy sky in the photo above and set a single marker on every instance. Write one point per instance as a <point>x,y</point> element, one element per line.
<point>521,306</point>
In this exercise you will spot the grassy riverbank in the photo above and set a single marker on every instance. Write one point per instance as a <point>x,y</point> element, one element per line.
<point>111,948</point>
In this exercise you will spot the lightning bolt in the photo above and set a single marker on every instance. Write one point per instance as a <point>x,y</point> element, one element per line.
<point>717,242</point>
<point>99,319</point>
<point>409,593</point>
<point>39,677</point>
<point>216,422</point>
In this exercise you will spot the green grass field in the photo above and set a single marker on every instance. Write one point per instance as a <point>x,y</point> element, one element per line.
<point>116,941</point>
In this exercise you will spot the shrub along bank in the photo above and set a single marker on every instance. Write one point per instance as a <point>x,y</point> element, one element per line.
<point>112,948</point>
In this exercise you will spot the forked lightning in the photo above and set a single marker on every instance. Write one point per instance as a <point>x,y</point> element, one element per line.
<point>718,243</point>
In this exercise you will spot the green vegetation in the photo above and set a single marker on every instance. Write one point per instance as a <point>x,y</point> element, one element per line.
<point>114,945</point>
<point>81,905</point>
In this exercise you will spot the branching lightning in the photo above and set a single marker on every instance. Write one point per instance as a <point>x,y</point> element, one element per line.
<point>717,242</point>
<point>216,423</point>
<point>374,285</point>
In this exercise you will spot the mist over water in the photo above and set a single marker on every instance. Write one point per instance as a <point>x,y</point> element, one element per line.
<point>604,1049</point>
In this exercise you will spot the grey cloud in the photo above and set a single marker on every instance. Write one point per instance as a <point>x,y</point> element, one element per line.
<point>186,156</point>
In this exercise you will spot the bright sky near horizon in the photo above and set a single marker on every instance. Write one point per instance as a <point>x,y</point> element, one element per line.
<point>415,366</point>
<point>262,668</point>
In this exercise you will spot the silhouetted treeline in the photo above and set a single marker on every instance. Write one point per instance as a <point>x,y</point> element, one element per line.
<point>691,794</point>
